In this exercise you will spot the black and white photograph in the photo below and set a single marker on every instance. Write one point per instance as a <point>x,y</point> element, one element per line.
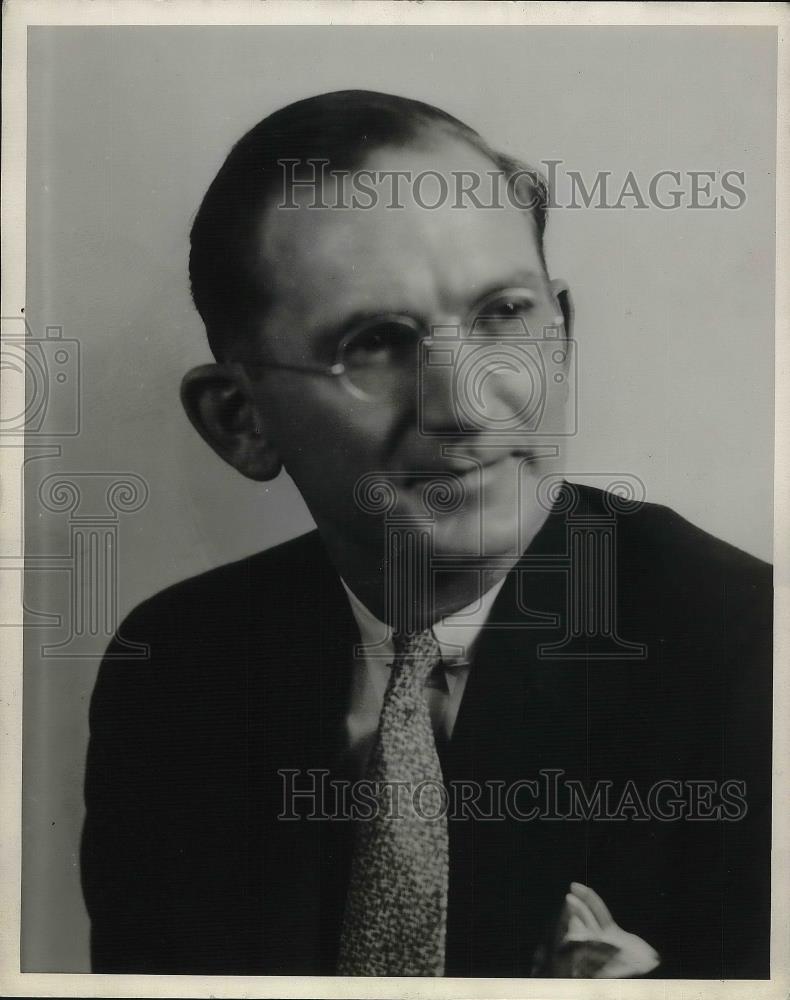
<point>389,422</point>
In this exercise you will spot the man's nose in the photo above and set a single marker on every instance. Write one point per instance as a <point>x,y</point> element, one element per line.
<point>468,388</point>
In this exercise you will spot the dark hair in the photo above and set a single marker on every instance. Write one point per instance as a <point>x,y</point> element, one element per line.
<point>341,128</point>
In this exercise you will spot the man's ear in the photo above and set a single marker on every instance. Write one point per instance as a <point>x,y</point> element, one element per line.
<point>219,403</point>
<point>562,294</point>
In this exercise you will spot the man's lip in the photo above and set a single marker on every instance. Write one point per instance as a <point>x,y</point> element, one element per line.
<point>464,465</point>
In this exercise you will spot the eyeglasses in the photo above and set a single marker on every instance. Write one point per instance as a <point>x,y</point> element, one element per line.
<point>380,356</point>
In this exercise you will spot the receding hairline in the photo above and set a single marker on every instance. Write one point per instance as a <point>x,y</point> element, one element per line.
<point>325,190</point>
<point>407,123</point>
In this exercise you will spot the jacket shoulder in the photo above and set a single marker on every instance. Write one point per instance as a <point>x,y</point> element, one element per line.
<point>194,642</point>
<point>257,581</point>
<point>659,533</point>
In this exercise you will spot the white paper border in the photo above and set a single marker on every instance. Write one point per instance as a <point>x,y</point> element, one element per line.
<point>17,16</point>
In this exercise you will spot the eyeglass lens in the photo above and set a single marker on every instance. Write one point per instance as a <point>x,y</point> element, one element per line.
<point>382,355</point>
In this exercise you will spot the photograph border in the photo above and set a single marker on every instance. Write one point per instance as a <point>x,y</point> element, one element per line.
<point>18,16</point>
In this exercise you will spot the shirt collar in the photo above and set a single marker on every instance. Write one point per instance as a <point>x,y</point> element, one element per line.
<point>456,633</point>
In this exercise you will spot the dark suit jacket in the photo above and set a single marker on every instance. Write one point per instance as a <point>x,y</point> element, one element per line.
<point>186,868</point>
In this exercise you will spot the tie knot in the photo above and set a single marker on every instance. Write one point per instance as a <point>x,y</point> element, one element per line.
<point>419,644</point>
<point>417,655</point>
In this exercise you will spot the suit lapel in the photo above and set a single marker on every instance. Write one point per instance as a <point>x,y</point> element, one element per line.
<point>304,690</point>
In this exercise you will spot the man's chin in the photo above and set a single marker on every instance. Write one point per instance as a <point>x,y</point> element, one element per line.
<point>467,534</point>
<point>499,519</point>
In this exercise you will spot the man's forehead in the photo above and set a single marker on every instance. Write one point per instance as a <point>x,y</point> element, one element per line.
<point>394,253</point>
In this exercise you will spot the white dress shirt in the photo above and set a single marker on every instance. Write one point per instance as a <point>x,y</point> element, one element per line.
<point>456,635</point>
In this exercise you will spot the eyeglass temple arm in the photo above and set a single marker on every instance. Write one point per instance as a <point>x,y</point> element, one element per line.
<point>330,370</point>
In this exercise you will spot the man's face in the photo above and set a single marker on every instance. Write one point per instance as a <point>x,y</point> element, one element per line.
<point>329,266</point>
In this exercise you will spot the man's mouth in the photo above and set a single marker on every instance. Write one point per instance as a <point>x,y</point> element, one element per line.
<point>464,468</point>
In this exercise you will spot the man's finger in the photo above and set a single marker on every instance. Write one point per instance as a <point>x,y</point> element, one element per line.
<point>594,902</point>
<point>581,910</point>
<point>576,929</point>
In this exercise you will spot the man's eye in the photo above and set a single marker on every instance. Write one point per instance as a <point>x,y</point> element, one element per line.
<point>505,317</point>
<point>509,308</point>
<point>385,343</point>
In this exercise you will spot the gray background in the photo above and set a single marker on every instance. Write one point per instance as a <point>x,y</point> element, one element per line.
<point>126,128</point>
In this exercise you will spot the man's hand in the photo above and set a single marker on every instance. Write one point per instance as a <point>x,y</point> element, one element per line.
<point>588,944</point>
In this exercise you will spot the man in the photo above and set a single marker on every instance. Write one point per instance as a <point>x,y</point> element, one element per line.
<point>580,682</point>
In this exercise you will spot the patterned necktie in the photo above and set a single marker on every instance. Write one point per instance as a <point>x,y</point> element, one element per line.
<point>396,910</point>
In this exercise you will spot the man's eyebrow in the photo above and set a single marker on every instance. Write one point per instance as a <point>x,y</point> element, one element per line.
<point>519,279</point>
